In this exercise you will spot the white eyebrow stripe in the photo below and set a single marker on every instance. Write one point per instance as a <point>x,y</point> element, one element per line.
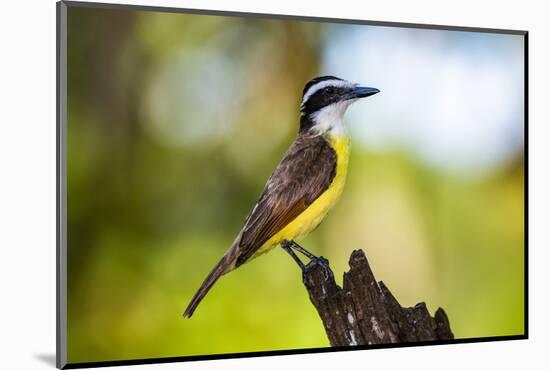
<point>321,85</point>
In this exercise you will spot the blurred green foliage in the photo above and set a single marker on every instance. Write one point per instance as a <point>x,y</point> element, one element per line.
<point>174,124</point>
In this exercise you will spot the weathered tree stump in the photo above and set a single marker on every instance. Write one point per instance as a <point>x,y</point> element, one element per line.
<point>365,312</point>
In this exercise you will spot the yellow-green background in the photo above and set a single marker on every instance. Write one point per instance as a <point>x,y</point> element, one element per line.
<point>174,124</point>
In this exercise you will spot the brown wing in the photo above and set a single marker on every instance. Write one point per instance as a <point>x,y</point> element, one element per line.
<point>303,175</point>
<point>305,172</point>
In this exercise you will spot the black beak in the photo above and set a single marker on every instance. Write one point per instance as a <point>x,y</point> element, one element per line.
<point>362,92</point>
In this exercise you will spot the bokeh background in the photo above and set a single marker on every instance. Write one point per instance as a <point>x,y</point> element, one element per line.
<point>175,122</point>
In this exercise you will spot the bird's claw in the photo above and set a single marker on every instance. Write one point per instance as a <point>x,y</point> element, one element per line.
<point>323,262</point>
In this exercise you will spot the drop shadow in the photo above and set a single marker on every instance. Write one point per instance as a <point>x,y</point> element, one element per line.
<point>47,358</point>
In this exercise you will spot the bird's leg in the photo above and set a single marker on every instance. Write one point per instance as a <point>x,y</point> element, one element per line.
<point>288,249</point>
<point>290,245</point>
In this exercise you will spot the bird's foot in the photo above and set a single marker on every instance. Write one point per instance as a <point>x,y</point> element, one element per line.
<point>319,261</point>
<point>291,246</point>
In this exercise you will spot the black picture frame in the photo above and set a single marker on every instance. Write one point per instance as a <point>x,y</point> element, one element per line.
<point>61,188</point>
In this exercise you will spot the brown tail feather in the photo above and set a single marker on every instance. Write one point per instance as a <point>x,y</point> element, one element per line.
<point>218,270</point>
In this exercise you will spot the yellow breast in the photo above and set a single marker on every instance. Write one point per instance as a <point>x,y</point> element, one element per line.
<point>308,220</point>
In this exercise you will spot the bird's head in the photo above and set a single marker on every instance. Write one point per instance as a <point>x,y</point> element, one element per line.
<point>325,100</point>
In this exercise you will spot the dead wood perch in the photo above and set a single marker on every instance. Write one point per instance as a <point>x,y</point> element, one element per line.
<point>365,312</point>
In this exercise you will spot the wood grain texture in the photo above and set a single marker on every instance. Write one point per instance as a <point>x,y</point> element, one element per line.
<point>364,311</point>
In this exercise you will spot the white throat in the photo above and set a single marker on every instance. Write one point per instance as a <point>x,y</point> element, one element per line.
<point>330,119</point>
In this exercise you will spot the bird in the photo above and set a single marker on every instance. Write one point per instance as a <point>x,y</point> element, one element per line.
<point>304,186</point>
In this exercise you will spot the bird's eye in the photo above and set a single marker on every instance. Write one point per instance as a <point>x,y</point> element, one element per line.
<point>329,90</point>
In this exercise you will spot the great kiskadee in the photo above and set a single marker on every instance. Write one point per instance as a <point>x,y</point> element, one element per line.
<point>305,185</point>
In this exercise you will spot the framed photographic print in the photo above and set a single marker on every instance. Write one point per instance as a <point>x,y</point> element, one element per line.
<point>234,184</point>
